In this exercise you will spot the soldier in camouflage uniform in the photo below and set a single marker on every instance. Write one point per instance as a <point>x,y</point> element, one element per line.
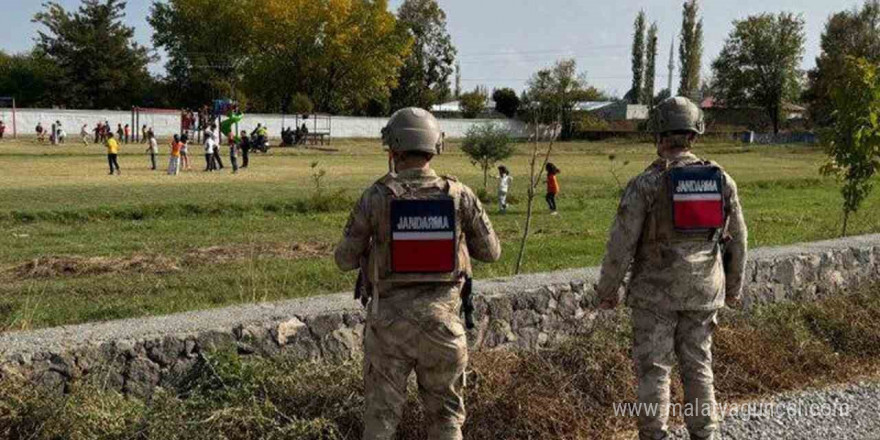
<point>679,277</point>
<point>413,317</point>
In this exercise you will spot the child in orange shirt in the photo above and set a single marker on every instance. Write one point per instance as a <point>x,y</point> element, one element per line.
<point>174,162</point>
<point>552,187</point>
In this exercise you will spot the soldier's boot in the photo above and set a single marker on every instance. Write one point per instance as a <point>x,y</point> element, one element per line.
<point>440,371</point>
<point>693,346</point>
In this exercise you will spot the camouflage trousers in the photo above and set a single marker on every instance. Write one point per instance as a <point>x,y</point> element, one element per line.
<point>658,337</point>
<point>438,355</point>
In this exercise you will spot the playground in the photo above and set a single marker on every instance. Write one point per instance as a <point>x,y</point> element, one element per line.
<point>82,246</point>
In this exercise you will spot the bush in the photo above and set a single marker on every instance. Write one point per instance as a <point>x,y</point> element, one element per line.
<point>301,104</point>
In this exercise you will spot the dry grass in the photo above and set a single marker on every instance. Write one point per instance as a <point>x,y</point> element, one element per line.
<point>68,266</point>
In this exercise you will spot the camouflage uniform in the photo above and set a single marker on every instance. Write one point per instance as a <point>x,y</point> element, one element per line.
<point>414,325</point>
<point>677,284</point>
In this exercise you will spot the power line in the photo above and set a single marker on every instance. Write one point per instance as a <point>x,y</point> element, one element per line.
<point>541,51</point>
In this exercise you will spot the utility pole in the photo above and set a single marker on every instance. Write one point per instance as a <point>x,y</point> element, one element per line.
<point>671,65</point>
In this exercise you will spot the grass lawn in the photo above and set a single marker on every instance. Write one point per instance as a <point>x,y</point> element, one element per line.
<point>79,245</point>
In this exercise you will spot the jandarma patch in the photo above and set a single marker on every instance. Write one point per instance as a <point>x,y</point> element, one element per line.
<point>697,200</point>
<point>423,236</point>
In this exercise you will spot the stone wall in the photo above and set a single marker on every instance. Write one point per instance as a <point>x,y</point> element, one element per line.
<point>166,125</point>
<point>523,312</point>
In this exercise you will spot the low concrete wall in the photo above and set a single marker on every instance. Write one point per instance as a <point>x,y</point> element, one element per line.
<point>525,312</point>
<point>168,124</point>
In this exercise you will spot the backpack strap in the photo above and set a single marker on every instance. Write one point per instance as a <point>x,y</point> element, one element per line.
<point>389,181</point>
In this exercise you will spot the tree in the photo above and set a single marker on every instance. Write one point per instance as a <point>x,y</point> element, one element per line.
<point>343,54</point>
<point>473,103</point>
<point>207,58</point>
<point>424,77</point>
<point>29,77</point>
<point>650,67</point>
<point>506,102</point>
<point>485,145</point>
<point>854,33</point>
<point>99,64</point>
<point>553,92</point>
<point>758,65</point>
<point>457,92</point>
<point>690,50</point>
<point>853,140</point>
<point>638,58</point>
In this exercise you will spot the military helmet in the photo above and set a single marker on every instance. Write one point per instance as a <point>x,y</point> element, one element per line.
<point>413,129</point>
<point>679,114</point>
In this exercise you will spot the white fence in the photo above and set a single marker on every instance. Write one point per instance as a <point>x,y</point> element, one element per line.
<point>169,124</point>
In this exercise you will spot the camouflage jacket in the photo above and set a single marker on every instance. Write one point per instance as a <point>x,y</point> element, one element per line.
<point>426,302</point>
<point>672,273</point>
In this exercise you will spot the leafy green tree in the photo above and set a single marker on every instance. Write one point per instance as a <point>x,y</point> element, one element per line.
<point>473,103</point>
<point>99,63</point>
<point>208,43</point>
<point>690,50</point>
<point>29,77</point>
<point>506,102</point>
<point>638,58</point>
<point>552,94</point>
<point>853,33</point>
<point>486,145</point>
<point>852,142</point>
<point>758,65</point>
<point>424,77</point>
<point>650,66</point>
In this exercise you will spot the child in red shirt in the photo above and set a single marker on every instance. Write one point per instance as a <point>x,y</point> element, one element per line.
<point>552,187</point>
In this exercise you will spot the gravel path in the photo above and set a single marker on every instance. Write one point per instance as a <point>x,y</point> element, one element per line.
<point>844,412</point>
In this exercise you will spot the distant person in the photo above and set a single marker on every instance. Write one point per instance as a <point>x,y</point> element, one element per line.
<point>144,134</point>
<point>233,154</point>
<point>244,144</point>
<point>127,132</point>
<point>120,133</point>
<point>153,149</point>
<point>218,161</point>
<point>41,132</point>
<point>2,130</point>
<point>210,150</point>
<point>84,134</point>
<point>53,135</point>
<point>184,154</point>
<point>504,180</point>
<point>112,154</point>
<point>174,161</point>
<point>99,128</point>
<point>304,134</point>
<point>552,187</point>
<point>62,135</point>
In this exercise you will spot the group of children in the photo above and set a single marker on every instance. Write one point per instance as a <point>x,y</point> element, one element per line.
<point>505,180</point>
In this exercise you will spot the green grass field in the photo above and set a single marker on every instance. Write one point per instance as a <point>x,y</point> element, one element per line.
<point>79,245</point>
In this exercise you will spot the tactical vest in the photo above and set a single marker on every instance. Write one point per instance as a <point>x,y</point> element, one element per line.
<point>420,233</point>
<point>689,204</point>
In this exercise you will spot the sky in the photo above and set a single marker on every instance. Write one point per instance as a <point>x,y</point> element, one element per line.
<point>502,42</point>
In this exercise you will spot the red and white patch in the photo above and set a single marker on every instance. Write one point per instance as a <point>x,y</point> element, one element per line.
<point>423,236</point>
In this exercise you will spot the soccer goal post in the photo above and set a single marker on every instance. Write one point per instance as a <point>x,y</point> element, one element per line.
<point>164,121</point>
<point>7,114</point>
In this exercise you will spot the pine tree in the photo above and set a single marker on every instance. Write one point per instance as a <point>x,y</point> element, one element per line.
<point>638,58</point>
<point>690,50</point>
<point>650,67</point>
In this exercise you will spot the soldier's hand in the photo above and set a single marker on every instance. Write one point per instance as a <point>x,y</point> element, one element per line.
<point>608,304</point>
<point>734,302</point>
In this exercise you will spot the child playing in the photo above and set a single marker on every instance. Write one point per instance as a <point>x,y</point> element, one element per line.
<point>112,152</point>
<point>233,153</point>
<point>174,162</point>
<point>153,149</point>
<point>504,180</point>
<point>184,157</point>
<point>552,187</point>
<point>84,134</point>
<point>127,132</point>
<point>210,149</point>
